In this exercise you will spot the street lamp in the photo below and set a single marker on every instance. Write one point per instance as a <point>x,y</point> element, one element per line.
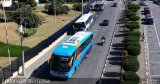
<point>54,13</point>
<point>7,4</point>
<point>82,7</point>
<point>20,29</point>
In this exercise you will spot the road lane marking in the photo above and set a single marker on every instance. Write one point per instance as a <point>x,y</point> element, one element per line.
<point>156,34</point>
<point>155,62</point>
<point>147,53</point>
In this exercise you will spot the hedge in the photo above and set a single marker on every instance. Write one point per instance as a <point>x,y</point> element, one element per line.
<point>130,57</point>
<point>132,25</point>
<point>133,50</point>
<point>131,39</point>
<point>129,82</point>
<point>134,18</point>
<point>133,33</point>
<point>131,76</point>
<point>131,65</point>
<point>137,44</point>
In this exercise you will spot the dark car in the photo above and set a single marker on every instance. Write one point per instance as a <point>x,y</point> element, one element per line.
<point>114,5</point>
<point>104,23</point>
<point>149,19</point>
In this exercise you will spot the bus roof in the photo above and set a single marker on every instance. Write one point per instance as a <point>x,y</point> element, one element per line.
<point>83,18</point>
<point>68,47</point>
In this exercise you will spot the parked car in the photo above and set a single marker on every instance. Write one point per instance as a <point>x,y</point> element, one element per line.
<point>149,19</point>
<point>104,23</point>
<point>142,3</point>
<point>114,5</point>
<point>147,11</point>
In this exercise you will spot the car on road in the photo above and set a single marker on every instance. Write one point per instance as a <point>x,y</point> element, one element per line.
<point>114,5</point>
<point>149,19</point>
<point>147,11</point>
<point>104,23</point>
<point>142,3</point>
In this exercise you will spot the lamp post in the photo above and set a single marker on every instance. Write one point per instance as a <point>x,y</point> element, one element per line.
<point>82,7</point>
<point>20,29</point>
<point>7,4</point>
<point>54,13</point>
<point>22,50</point>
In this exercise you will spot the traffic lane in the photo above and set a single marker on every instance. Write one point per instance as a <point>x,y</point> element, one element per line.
<point>155,10</point>
<point>92,66</point>
<point>154,52</point>
<point>90,61</point>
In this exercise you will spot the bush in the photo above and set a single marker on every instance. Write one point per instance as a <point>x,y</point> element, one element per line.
<point>137,44</point>
<point>131,39</point>
<point>130,65</point>
<point>133,33</point>
<point>130,14</point>
<point>29,32</point>
<point>131,76</point>
<point>132,25</point>
<point>133,50</point>
<point>77,7</point>
<point>60,9</point>
<point>133,6</point>
<point>134,18</point>
<point>129,82</point>
<point>130,57</point>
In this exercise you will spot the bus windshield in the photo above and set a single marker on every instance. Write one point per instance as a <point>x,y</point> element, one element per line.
<point>60,63</point>
<point>79,25</point>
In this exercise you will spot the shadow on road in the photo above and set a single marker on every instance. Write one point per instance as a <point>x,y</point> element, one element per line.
<point>116,53</point>
<point>112,74</point>
<point>115,63</point>
<point>110,81</point>
<point>120,35</point>
<point>117,45</point>
<point>115,58</point>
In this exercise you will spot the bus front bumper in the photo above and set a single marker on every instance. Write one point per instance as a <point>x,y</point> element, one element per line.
<point>60,75</point>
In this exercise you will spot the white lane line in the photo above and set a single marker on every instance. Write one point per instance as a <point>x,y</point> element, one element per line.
<point>147,53</point>
<point>154,62</point>
<point>156,34</point>
<point>155,75</point>
<point>155,51</point>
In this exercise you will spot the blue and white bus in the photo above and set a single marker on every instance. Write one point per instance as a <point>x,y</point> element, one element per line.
<point>84,22</point>
<point>68,55</point>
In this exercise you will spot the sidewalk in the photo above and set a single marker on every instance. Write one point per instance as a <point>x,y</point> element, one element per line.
<point>142,57</point>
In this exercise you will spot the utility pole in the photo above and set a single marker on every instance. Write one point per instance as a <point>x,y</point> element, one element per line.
<point>82,7</point>
<point>20,29</point>
<point>7,4</point>
<point>54,13</point>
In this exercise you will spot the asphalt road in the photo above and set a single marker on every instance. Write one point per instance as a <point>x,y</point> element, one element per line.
<point>153,39</point>
<point>91,68</point>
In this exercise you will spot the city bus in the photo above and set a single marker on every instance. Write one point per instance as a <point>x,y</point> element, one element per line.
<point>84,22</point>
<point>68,55</point>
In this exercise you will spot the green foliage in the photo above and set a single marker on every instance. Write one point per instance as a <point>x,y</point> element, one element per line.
<point>129,82</point>
<point>133,33</point>
<point>130,14</point>
<point>130,65</point>
<point>32,3</point>
<point>133,50</point>
<point>15,50</point>
<point>133,6</point>
<point>137,44</point>
<point>77,7</point>
<point>132,25</point>
<point>59,8</point>
<point>134,18</point>
<point>130,57</point>
<point>131,39</point>
<point>131,76</point>
<point>30,20</point>
<point>29,32</point>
